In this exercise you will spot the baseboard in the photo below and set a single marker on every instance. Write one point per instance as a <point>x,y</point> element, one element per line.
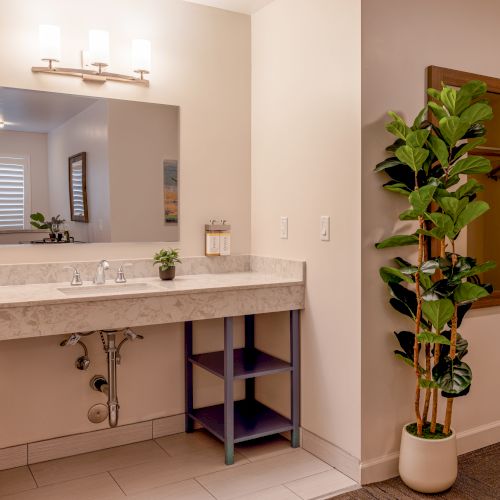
<point>76,444</point>
<point>386,466</point>
<point>331,454</point>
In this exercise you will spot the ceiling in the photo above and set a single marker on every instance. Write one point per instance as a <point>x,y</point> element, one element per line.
<point>35,111</point>
<point>243,6</point>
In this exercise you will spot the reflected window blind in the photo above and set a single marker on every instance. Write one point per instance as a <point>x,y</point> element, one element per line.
<point>14,202</point>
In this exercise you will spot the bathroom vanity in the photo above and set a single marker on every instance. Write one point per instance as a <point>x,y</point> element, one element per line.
<point>38,300</point>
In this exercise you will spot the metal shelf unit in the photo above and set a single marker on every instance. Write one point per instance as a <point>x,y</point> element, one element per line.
<point>236,421</point>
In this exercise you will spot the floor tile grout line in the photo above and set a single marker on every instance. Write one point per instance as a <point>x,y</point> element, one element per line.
<point>208,491</point>
<point>162,449</point>
<point>116,482</point>
<point>293,492</point>
<point>33,476</point>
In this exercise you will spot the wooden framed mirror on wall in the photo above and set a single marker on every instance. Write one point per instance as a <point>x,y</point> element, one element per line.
<point>482,237</point>
<point>77,166</point>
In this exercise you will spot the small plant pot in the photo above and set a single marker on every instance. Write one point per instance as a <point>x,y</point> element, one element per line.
<point>428,465</point>
<point>168,274</point>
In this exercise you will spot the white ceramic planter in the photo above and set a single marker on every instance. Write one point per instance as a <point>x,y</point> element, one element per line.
<point>428,465</point>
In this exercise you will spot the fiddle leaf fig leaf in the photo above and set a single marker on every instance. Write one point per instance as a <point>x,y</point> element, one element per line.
<point>398,126</point>
<point>444,225</point>
<point>413,157</point>
<point>452,375</point>
<point>440,149</point>
<point>397,187</point>
<point>390,274</point>
<point>398,241</point>
<point>469,146</point>
<point>474,88</point>
<point>419,119</point>
<point>471,212</point>
<point>438,110</point>
<point>429,267</point>
<point>417,138</point>
<point>453,128</point>
<point>427,383</point>
<point>432,338</point>
<point>448,97</point>
<point>471,165</point>
<point>469,188</point>
<point>474,271</point>
<point>420,199</point>
<point>478,112</point>
<point>406,341</point>
<point>438,312</point>
<point>468,292</point>
<point>387,163</point>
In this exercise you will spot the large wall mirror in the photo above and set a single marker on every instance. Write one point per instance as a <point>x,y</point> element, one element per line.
<point>88,169</point>
<point>482,237</point>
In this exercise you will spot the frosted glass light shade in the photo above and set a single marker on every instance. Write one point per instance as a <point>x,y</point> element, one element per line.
<point>99,47</point>
<point>50,42</point>
<point>141,56</point>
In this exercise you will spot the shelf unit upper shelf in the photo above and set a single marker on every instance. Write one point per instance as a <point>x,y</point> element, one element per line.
<point>248,363</point>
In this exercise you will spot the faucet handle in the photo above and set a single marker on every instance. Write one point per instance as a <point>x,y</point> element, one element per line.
<point>76,280</point>
<point>120,275</point>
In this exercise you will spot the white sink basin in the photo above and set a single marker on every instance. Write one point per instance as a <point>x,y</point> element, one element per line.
<point>104,289</point>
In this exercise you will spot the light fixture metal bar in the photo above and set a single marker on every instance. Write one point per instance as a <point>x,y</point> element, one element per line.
<point>88,74</point>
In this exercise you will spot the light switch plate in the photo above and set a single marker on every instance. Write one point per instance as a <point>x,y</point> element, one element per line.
<point>324,228</point>
<point>284,228</point>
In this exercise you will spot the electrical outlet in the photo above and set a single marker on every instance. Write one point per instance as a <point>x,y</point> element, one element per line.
<point>284,228</point>
<point>324,228</point>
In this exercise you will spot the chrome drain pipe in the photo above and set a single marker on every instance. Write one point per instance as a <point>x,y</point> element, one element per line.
<point>110,386</point>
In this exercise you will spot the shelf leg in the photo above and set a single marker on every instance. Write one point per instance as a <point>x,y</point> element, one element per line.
<point>188,374</point>
<point>250,344</point>
<point>295,375</point>
<point>228,391</point>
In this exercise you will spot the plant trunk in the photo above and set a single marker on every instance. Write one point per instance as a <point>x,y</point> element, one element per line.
<point>453,353</point>
<point>418,319</point>
<point>428,376</point>
<point>437,352</point>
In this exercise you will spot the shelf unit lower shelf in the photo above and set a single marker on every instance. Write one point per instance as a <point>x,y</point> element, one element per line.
<point>252,420</point>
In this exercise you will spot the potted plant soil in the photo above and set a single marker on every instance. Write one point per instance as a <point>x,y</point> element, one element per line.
<point>429,163</point>
<point>167,260</point>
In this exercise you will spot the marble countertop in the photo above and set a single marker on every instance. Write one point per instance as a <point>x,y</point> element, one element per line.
<point>59,293</point>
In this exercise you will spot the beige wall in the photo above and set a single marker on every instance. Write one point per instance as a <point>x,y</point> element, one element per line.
<point>85,132</point>
<point>306,163</point>
<point>141,136</point>
<point>400,39</point>
<point>201,62</point>
<point>35,146</point>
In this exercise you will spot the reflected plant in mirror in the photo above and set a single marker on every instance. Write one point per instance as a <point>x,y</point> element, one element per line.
<point>167,259</point>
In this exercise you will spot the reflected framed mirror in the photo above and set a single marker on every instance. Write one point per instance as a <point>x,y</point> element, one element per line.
<point>482,237</point>
<point>77,168</point>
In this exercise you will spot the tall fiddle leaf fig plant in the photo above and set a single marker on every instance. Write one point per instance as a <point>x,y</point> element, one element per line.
<point>429,164</point>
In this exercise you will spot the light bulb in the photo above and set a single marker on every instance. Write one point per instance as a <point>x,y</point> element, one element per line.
<point>141,56</point>
<point>99,47</point>
<point>50,42</point>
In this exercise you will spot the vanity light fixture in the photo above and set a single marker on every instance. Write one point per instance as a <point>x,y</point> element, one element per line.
<point>98,55</point>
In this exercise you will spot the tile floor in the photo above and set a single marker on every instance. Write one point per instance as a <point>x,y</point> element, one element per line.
<point>183,467</point>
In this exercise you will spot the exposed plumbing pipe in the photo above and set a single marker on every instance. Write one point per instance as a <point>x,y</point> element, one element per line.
<point>109,386</point>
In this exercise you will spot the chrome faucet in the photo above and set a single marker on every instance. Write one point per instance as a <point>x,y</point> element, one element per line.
<point>100,275</point>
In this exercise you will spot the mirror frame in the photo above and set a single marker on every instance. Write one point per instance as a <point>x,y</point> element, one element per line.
<point>436,75</point>
<point>71,160</point>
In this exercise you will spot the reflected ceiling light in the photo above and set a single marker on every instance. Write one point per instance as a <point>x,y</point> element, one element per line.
<point>98,55</point>
<point>2,124</point>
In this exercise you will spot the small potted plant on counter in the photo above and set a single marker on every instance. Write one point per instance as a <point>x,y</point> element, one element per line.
<point>430,165</point>
<point>167,260</point>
